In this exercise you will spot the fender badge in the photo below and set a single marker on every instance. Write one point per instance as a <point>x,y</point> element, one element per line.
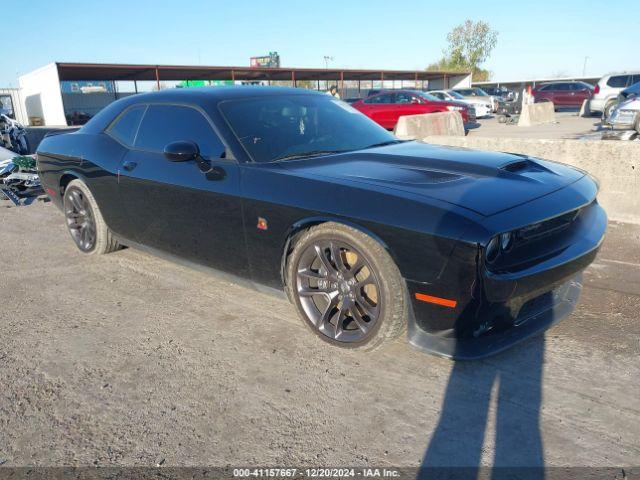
<point>262,224</point>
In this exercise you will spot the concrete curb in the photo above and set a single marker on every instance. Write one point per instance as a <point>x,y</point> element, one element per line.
<point>615,164</point>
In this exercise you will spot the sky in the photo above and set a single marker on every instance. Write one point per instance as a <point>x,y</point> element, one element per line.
<point>536,39</point>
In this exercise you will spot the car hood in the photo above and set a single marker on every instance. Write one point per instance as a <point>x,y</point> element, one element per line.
<point>484,182</point>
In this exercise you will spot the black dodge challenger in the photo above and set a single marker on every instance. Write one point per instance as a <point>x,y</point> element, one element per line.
<point>294,190</point>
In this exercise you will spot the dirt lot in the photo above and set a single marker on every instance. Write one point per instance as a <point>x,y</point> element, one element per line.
<point>128,359</point>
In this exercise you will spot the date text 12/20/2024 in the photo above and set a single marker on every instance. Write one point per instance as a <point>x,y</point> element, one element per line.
<point>316,472</point>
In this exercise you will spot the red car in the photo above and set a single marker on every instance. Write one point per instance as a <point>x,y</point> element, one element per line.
<point>563,94</point>
<point>386,107</point>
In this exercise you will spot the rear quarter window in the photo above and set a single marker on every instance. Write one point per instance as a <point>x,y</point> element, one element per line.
<point>125,126</point>
<point>618,81</point>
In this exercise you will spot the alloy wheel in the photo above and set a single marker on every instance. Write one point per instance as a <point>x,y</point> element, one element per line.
<point>338,290</point>
<point>80,219</point>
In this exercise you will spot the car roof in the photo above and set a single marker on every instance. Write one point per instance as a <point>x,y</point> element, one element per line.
<point>614,74</point>
<point>220,93</point>
<point>203,96</point>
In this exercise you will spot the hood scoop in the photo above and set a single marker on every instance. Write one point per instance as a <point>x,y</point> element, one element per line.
<point>409,176</point>
<point>524,165</point>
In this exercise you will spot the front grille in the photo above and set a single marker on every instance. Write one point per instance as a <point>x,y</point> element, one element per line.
<point>548,227</point>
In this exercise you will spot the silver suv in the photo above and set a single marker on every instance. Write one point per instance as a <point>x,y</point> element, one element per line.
<point>606,92</point>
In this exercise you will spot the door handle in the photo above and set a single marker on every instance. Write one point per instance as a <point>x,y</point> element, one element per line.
<point>128,166</point>
<point>216,173</point>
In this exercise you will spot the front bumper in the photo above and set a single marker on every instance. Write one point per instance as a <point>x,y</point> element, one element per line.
<point>483,111</point>
<point>624,119</point>
<point>536,316</point>
<point>497,308</point>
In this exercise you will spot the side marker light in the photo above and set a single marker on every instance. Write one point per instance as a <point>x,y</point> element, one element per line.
<point>445,302</point>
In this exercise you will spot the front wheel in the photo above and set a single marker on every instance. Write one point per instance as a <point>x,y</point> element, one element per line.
<point>346,287</point>
<point>84,221</point>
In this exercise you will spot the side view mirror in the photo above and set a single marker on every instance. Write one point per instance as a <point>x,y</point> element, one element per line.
<point>181,151</point>
<point>415,100</point>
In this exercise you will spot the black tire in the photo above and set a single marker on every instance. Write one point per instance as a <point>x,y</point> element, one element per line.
<point>85,222</point>
<point>637,127</point>
<point>608,109</point>
<point>381,275</point>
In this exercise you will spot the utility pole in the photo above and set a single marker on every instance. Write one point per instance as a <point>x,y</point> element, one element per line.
<point>327,59</point>
<point>584,67</point>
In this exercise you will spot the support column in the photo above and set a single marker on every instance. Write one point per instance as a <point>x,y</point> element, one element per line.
<point>158,78</point>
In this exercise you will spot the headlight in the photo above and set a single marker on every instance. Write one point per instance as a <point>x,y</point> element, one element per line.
<point>453,108</point>
<point>492,250</point>
<point>506,240</point>
<point>499,243</point>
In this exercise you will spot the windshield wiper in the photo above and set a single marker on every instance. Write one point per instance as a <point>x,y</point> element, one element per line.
<point>312,153</point>
<point>388,142</point>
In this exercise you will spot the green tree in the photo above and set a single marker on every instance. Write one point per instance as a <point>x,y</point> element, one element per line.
<point>469,46</point>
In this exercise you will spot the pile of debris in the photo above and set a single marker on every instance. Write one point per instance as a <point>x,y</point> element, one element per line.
<point>19,181</point>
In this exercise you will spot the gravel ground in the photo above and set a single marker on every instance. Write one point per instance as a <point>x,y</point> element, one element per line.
<point>128,359</point>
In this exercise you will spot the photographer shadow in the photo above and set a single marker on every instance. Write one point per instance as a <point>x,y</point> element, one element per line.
<point>457,448</point>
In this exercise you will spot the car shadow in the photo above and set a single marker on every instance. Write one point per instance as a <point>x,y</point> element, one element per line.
<point>466,430</point>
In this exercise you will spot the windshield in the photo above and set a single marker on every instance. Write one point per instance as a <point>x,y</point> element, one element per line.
<point>289,126</point>
<point>456,95</point>
<point>428,96</point>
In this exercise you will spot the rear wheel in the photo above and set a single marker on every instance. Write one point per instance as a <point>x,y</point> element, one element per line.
<point>84,221</point>
<point>346,287</point>
<point>608,109</point>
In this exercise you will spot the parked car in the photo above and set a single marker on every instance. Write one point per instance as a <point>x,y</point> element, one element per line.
<point>386,107</point>
<point>502,93</point>
<point>482,109</point>
<point>563,94</point>
<point>478,95</point>
<point>368,235</point>
<point>605,94</point>
<point>626,113</point>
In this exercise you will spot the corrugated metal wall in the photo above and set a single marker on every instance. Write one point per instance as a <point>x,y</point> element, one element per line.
<point>16,103</point>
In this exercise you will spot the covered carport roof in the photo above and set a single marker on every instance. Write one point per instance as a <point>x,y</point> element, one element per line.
<point>105,71</point>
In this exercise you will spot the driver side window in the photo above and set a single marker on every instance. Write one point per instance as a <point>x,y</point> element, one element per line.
<point>163,124</point>
<point>384,98</point>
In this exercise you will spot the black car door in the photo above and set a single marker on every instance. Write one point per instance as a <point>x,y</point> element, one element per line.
<point>175,206</point>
